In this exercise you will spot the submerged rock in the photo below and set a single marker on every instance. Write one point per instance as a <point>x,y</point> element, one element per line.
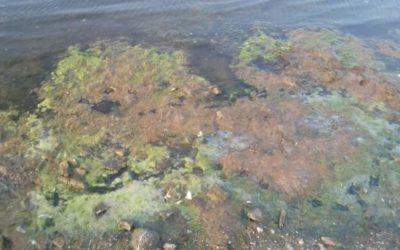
<point>125,226</point>
<point>145,239</point>
<point>255,214</point>
<point>169,246</point>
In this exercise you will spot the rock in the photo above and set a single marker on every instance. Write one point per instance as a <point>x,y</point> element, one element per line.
<point>58,242</point>
<point>71,183</point>
<point>145,239</point>
<point>73,162</point>
<point>105,106</point>
<point>120,153</point>
<point>124,226</point>
<point>169,246</point>
<point>65,169</point>
<point>282,218</point>
<point>215,90</point>
<point>329,242</point>
<point>255,214</point>
<point>100,210</point>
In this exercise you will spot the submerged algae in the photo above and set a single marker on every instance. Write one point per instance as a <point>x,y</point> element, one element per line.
<point>322,154</point>
<point>99,154</point>
<point>135,202</point>
<point>263,46</point>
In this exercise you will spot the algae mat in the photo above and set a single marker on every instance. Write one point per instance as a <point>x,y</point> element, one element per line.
<point>128,138</point>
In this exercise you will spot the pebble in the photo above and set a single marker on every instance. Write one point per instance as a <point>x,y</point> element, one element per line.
<point>260,230</point>
<point>119,152</point>
<point>255,214</point>
<point>282,218</point>
<point>169,246</point>
<point>301,242</point>
<point>145,239</point>
<point>73,162</point>
<point>124,226</point>
<point>215,90</point>
<point>100,209</point>
<point>59,242</point>
<point>329,242</point>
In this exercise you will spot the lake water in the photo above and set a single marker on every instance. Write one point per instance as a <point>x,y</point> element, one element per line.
<point>280,127</point>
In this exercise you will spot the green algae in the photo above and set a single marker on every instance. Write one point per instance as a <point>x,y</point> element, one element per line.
<point>76,215</point>
<point>149,159</point>
<point>93,140</point>
<point>361,114</point>
<point>264,47</point>
<point>77,67</point>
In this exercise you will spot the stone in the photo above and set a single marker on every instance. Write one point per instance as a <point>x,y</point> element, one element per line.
<point>58,242</point>
<point>328,242</point>
<point>282,218</point>
<point>145,239</point>
<point>100,210</point>
<point>255,214</point>
<point>215,90</point>
<point>169,246</point>
<point>124,226</point>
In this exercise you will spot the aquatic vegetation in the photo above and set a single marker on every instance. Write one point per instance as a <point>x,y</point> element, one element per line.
<point>263,46</point>
<point>150,160</point>
<point>127,133</point>
<point>135,202</point>
<point>349,51</point>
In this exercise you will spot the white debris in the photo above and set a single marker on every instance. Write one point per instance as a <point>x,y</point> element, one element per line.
<point>260,230</point>
<point>188,196</point>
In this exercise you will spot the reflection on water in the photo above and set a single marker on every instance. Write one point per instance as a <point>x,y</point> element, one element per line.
<point>233,125</point>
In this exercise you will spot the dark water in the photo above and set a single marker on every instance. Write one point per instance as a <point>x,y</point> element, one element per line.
<point>37,27</point>
<point>34,35</point>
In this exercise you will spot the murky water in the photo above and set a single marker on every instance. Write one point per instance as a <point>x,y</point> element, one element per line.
<point>200,124</point>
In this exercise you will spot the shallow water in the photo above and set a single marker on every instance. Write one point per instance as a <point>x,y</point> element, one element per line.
<point>305,133</point>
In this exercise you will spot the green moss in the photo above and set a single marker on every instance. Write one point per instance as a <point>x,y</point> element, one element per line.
<point>263,46</point>
<point>149,159</point>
